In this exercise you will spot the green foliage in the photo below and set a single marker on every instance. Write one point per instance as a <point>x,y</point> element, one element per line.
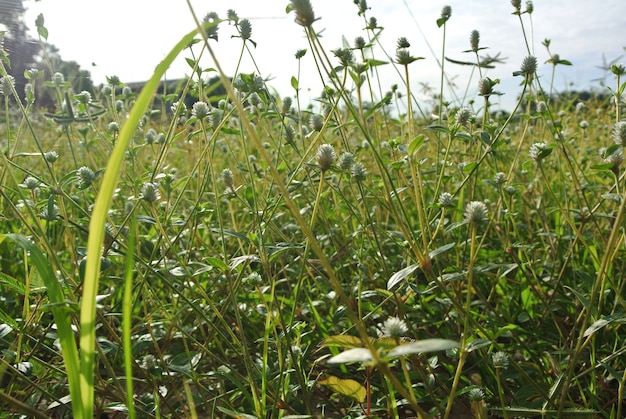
<point>249,256</point>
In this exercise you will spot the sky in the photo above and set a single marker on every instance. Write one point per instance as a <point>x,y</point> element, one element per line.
<point>128,38</point>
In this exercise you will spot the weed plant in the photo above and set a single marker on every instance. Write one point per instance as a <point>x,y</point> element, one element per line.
<point>360,256</point>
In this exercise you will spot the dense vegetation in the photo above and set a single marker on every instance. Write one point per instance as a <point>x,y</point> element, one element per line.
<point>253,256</point>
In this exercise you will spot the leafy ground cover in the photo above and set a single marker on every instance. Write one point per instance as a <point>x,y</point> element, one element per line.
<point>253,256</point>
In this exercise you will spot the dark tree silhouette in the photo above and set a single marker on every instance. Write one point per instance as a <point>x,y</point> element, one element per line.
<point>21,48</point>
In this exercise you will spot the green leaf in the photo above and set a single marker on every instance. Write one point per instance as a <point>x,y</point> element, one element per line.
<point>294,83</point>
<point>439,128</point>
<point>441,250</point>
<point>234,414</point>
<point>415,144</point>
<point>352,355</point>
<point>399,276</point>
<point>347,387</point>
<point>423,346</point>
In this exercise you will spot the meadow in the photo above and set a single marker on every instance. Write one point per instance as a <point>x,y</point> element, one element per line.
<point>364,255</point>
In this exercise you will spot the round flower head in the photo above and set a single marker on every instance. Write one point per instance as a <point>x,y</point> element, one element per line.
<point>212,19</point>
<point>500,178</point>
<point>84,97</point>
<point>345,160</point>
<point>517,4</point>
<point>529,66</point>
<point>58,79</point>
<point>446,12</point>
<point>446,199</point>
<point>358,172</point>
<point>619,133</point>
<point>85,177</point>
<point>150,192</point>
<point>113,127</point>
<point>476,212</point>
<point>500,359</point>
<point>31,183</point>
<point>539,151</point>
<point>476,394</point>
<point>325,157</point>
<point>51,156</point>
<point>616,159</point>
<point>394,327</point>
<point>403,43</point>
<point>286,106</point>
<point>316,122</point>
<point>359,42</point>
<point>530,7</point>
<point>485,87</point>
<point>463,116</point>
<point>200,110</point>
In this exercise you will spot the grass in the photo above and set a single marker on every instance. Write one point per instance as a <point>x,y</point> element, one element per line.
<point>256,257</point>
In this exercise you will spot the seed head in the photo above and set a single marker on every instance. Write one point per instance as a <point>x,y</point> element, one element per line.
<point>394,327</point>
<point>358,172</point>
<point>300,53</point>
<point>150,136</point>
<point>372,23</point>
<point>345,160</point>
<point>150,192</point>
<point>304,12</point>
<point>362,6</point>
<point>474,40</point>
<point>245,29</point>
<point>619,133</point>
<point>500,359</point>
<point>541,107</point>
<point>530,7</point>
<point>127,91</point>
<point>106,90</point>
<point>517,4</point>
<point>476,212</point>
<point>325,157</point>
<point>200,110</point>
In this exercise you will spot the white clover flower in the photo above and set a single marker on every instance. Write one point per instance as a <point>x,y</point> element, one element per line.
<point>446,199</point>
<point>500,359</point>
<point>619,133</point>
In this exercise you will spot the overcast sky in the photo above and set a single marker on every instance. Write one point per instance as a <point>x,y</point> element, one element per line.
<point>128,38</point>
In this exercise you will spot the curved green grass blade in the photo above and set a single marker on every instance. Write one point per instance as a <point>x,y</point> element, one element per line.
<point>97,223</point>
